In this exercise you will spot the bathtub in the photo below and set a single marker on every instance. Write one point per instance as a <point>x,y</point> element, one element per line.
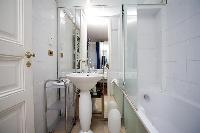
<point>166,114</point>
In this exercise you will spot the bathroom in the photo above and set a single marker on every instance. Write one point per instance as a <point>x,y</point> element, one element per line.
<point>146,51</point>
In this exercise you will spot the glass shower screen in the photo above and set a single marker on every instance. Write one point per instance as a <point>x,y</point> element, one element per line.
<point>130,51</point>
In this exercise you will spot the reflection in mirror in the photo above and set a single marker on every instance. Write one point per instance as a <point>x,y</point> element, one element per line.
<point>72,44</point>
<point>77,51</point>
<point>98,46</point>
<point>76,38</point>
<point>98,55</point>
<point>68,27</point>
<point>99,36</point>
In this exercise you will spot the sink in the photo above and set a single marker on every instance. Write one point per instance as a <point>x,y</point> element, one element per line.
<point>84,81</point>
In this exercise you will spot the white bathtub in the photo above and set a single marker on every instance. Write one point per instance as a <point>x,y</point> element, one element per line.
<point>166,114</point>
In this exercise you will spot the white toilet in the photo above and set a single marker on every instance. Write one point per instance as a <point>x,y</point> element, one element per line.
<point>114,118</point>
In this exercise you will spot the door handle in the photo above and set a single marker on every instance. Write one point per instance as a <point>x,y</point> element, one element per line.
<point>29,55</point>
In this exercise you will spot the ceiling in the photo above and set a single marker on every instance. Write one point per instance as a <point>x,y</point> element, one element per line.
<point>98,19</point>
<point>102,11</point>
<point>84,3</point>
<point>96,9</point>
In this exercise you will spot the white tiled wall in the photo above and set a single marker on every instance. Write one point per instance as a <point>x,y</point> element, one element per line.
<point>44,21</point>
<point>181,50</point>
<point>175,70</point>
<point>149,50</point>
<point>169,63</point>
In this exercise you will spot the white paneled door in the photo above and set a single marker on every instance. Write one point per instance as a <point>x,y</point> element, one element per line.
<point>16,92</point>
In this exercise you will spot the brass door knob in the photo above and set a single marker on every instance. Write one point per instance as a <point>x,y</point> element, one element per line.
<point>29,55</point>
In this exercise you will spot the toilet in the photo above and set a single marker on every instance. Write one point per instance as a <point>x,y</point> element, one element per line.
<point>114,118</point>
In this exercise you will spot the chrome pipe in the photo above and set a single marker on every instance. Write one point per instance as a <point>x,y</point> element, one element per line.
<point>76,90</point>
<point>45,100</point>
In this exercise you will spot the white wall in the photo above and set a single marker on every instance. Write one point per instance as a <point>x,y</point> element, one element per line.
<point>175,69</point>
<point>44,66</point>
<point>170,64</point>
<point>149,49</point>
<point>181,50</point>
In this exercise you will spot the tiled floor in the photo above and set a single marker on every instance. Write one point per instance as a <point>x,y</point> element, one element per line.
<point>97,126</point>
<point>106,101</point>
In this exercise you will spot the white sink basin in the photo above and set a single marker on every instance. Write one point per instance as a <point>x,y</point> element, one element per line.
<point>84,81</point>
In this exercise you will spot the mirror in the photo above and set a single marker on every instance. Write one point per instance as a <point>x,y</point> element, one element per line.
<point>83,42</point>
<point>68,34</point>
<point>71,45</point>
<point>97,45</point>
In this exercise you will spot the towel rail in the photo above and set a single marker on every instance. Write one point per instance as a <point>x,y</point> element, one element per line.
<point>66,104</point>
<point>127,97</point>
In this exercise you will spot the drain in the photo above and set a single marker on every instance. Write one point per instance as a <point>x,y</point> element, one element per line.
<point>146,97</point>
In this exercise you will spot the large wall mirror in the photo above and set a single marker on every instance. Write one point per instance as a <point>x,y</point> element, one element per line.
<point>97,45</point>
<point>71,45</point>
